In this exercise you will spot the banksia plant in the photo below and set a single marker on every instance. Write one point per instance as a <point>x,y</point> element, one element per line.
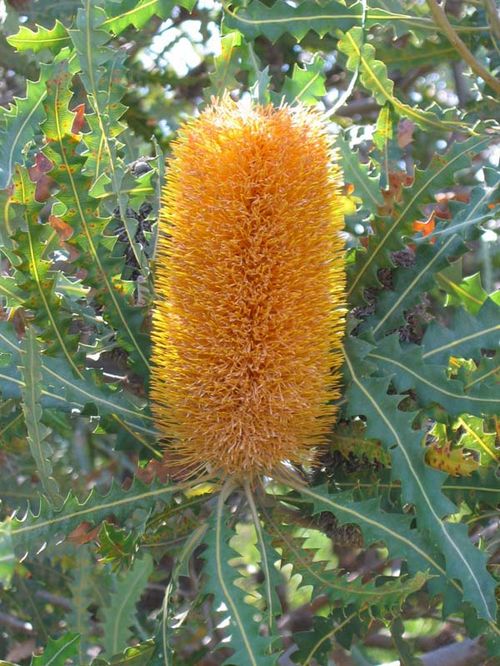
<point>249,310</point>
<point>170,348</point>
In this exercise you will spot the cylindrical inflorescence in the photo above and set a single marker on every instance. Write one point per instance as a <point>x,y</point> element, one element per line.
<point>249,310</point>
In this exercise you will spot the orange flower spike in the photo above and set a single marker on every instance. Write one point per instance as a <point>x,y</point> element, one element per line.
<point>249,310</point>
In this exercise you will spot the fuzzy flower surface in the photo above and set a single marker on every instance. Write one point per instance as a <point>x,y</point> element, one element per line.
<point>249,310</point>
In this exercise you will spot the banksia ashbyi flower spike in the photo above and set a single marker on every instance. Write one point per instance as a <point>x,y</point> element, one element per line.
<point>249,309</point>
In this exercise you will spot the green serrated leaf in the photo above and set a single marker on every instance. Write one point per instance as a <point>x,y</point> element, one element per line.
<point>273,21</point>
<point>467,292</point>
<point>476,438</point>
<point>164,651</point>
<point>384,129</point>
<point>138,13</point>
<point>58,651</point>
<point>101,66</point>
<point>314,569</point>
<point>421,485</point>
<point>227,64</point>
<point>366,185</point>
<point>395,15</point>
<point>119,616</point>
<point>82,597</point>
<point>316,646</point>
<point>389,234</point>
<point>31,371</point>
<point>374,77</point>
<point>30,532</point>
<point>465,336</point>
<point>268,560</point>
<point>430,381</point>
<point>10,291</point>
<point>306,84</point>
<point>60,389</point>
<point>392,529</point>
<point>89,238</point>
<point>17,126</point>
<point>255,18</point>
<point>35,275</point>
<point>249,647</point>
<point>42,38</point>
<point>139,655</point>
<point>116,545</point>
<point>410,282</point>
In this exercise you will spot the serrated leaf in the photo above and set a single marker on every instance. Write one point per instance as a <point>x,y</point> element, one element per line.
<point>475,438</point>
<point>249,647</point>
<point>58,651</point>
<point>100,66</point>
<point>421,486</point>
<point>391,528</point>
<point>42,38</point>
<point>409,56</point>
<point>81,597</point>
<point>317,644</point>
<point>314,570</point>
<point>226,64</point>
<point>164,649</point>
<point>467,292</point>
<point>258,19</point>
<point>267,559</point>
<point>138,655</point>
<point>396,16</point>
<point>465,336</point>
<point>117,546</point>
<point>389,234</point>
<point>411,282</point>
<point>373,74</point>
<point>384,129</point>
<point>29,533</point>
<point>138,13</point>
<point>78,210</point>
<point>366,185</point>
<point>60,389</point>
<point>10,291</point>
<point>7,556</point>
<point>430,382</point>
<point>119,616</point>
<point>306,84</point>
<point>17,126</point>
<point>454,461</point>
<point>31,371</point>
<point>478,488</point>
<point>34,273</point>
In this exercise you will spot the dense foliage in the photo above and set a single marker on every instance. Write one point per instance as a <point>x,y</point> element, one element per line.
<point>389,548</point>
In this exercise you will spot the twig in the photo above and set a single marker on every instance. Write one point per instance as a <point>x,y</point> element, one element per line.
<point>466,653</point>
<point>16,624</point>
<point>460,84</point>
<point>441,19</point>
<point>359,107</point>
<point>54,599</point>
<point>493,19</point>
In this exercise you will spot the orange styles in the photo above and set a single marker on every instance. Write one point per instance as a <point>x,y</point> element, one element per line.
<point>249,309</point>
